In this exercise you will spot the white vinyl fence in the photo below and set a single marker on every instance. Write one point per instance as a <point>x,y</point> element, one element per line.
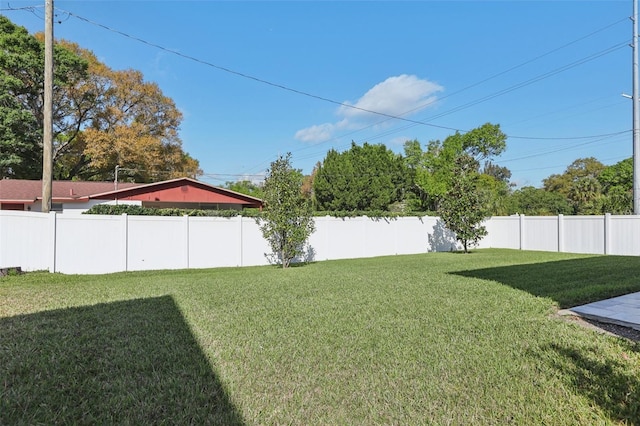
<point>87,244</point>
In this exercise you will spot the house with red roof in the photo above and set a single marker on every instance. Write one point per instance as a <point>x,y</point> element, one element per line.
<point>77,196</point>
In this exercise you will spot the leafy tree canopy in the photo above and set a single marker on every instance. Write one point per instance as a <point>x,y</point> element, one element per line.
<point>21,94</point>
<point>246,187</point>
<point>580,168</point>
<point>287,220</point>
<point>617,175</point>
<point>433,169</point>
<point>367,177</point>
<point>538,202</point>
<point>102,118</point>
<point>464,208</point>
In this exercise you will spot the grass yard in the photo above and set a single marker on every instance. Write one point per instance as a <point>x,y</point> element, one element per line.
<point>439,338</point>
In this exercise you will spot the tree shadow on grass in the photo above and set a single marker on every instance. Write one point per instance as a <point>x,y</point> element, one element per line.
<point>570,282</point>
<point>130,362</point>
<point>609,382</point>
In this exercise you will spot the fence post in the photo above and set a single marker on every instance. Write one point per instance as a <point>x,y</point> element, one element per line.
<point>560,233</point>
<point>607,233</point>
<point>52,241</point>
<point>125,241</point>
<point>186,239</point>
<point>521,236</point>
<point>239,218</point>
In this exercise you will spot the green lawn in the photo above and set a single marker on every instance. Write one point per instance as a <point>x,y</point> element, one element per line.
<point>439,338</point>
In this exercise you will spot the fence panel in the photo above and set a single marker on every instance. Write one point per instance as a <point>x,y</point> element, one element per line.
<point>583,234</point>
<point>502,232</point>
<point>88,244</point>
<point>157,242</point>
<point>254,246</point>
<point>379,237</point>
<point>624,235</point>
<point>540,233</point>
<point>422,234</point>
<point>345,238</point>
<point>25,240</point>
<point>99,244</point>
<point>214,242</point>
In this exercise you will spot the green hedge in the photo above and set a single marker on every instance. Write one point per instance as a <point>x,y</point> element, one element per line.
<point>132,210</point>
<point>108,209</point>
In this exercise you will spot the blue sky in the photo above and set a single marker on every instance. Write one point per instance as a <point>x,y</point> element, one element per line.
<point>259,79</point>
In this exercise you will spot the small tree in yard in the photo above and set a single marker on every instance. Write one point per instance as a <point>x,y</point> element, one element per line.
<point>287,220</point>
<point>463,207</point>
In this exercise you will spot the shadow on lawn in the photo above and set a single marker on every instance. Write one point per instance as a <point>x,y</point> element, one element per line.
<point>608,382</point>
<point>570,282</point>
<point>133,362</point>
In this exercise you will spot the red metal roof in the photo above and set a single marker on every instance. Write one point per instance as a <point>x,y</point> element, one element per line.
<point>181,190</point>
<point>29,191</point>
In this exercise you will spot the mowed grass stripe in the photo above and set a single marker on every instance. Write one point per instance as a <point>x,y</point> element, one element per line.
<point>441,338</point>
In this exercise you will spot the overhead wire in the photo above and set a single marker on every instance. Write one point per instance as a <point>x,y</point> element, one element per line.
<point>491,96</point>
<point>351,106</point>
<point>382,114</point>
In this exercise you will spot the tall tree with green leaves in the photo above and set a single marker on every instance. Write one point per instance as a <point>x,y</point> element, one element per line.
<point>463,208</point>
<point>245,187</point>
<point>287,221</point>
<point>579,185</point>
<point>538,202</point>
<point>617,186</point>
<point>365,178</point>
<point>434,168</point>
<point>101,118</point>
<point>21,94</point>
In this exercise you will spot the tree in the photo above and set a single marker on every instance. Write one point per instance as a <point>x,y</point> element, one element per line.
<point>585,194</point>
<point>579,185</point>
<point>287,221</point>
<point>463,208</point>
<point>434,169</point>
<point>367,177</point>
<point>617,186</point>
<point>21,98</point>
<point>538,202</point>
<point>135,126</point>
<point>580,168</point>
<point>619,174</point>
<point>245,187</point>
<point>101,118</point>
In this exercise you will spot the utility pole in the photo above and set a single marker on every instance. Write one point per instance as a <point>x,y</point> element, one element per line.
<point>47,142</point>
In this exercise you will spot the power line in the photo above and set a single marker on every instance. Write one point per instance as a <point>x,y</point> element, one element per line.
<point>251,77</point>
<point>388,116</point>
<point>565,148</point>
<point>620,158</point>
<point>391,116</point>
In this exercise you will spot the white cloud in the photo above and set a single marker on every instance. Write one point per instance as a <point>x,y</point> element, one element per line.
<point>396,96</point>
<point>316,133</point>
<point>400,140</point>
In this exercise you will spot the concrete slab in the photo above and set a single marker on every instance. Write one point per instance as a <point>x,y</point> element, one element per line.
<point>621,310</point>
